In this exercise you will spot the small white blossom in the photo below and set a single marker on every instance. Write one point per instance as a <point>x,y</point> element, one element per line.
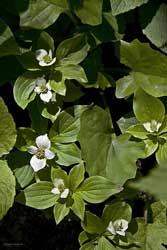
<point>41,153</point>
<point>152,126</point>
<point>43,89</point>
<point>118,227</point>
<point>59,188</point>
<point>44,58</point>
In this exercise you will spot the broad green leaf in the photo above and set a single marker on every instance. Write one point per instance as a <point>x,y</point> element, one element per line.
<point>104,153</point>
<point>28,61</point>
<point>58,173</point>
<point>102,82</point>
<point>121,6</point>
<point>125,86</point>
<point>112,20</point>
<point>125,122</point>
<point>65,129</point>
<point>90,12</point>
<point>40,14</point>
<point>158,212</point>
<point>38,195</point>
<point>93,224</point>
<point>151,236</point>
<point>76,176</point>
<point>150,147</point>
<point>25,138</point>
<point>73,91</point>
<point>60,211</point>
<point>156,29</point>
<point>72,71</point>
<point>115,211</point>
<point>155,183</point>
<point>148,65</point>
<point>140,57</point>
<point>88,246</point>
<point>7,129</point>
<point>72,50</point>
<point>45,41</point>
<point>161,154</point>
<point>148,108</point>
<point>7,188</point>
<point>24,88</point>
<point>138,131</point>
<point>83,237</point>
<point>57,83</point>
<point>67,154</point>
<point>24,175</point>
<point>78,206</point>
<point>8,45</point>
<point>104,244</point>
<point>50,110</point>
<point>96,189</point>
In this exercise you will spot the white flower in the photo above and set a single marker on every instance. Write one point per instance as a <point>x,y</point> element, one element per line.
<point>59,188</point>
<point>41,153</point>
<point>152,126</point>
<point>44,58</point>
<point>43,89</point>
<point>118,227</point>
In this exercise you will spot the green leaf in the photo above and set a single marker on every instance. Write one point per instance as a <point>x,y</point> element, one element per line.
<point>25,138</point>
<point>88,246</point>
<point>93,224</point>
<point>78,207</point>
<point>24,175</point>
<point>24,88</point>
<point>125,122</point>
<point>45,41</point>
<point>156,29</point>
<point>149,67</point>
<point>7,188</point>
<point>150,147</point>
<point>102,82</point>
<point>58,173</point>
<point>38,195</point>
<point>96,189</point>
<point>158,212</point>
<point>76,176</point>
<point>8,45</point>
<point>155,183</point>
<point>40,14</point>
<point>65,129</point>
<point>71,71</point>
<point>72,50</point>
<point>148,108</point>
<point>29,61</point>
<point>104,244</point>
<point>7,129</point>
<point>60,211</point>
<point>121,6</point>
<point>161,154</point>
<point>115,211</point>
<point>126,86</point>
<point>68,154</point>
<point>104,153</point>
<point>57,83</point>
<point>83,237</point>
<point>151,236</point>
<point>138,131</point>
<point>90,12</point>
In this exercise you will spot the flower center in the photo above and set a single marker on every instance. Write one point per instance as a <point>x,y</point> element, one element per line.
<point>61,187</point>
<point>43,88</point>
<point>47,59</point>
<point>40,154</point>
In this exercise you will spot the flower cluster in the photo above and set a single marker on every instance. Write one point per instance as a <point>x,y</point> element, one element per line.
<point>41,152</point>
<point>118,227</point>
<point>45,58</point>
<point>59,188</point>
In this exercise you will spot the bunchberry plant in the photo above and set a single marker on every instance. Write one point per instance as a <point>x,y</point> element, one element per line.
<point>90,80</point>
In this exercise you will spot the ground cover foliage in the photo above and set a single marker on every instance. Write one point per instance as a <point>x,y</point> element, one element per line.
<point>83,124</point>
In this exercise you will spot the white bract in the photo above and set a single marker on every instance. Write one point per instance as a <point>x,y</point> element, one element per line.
<point>152,126</point>
<point>41,153</point>
<point>43,89</point>
<point>118,227</point>
<point>44,58</point>
<point>59,188</point>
